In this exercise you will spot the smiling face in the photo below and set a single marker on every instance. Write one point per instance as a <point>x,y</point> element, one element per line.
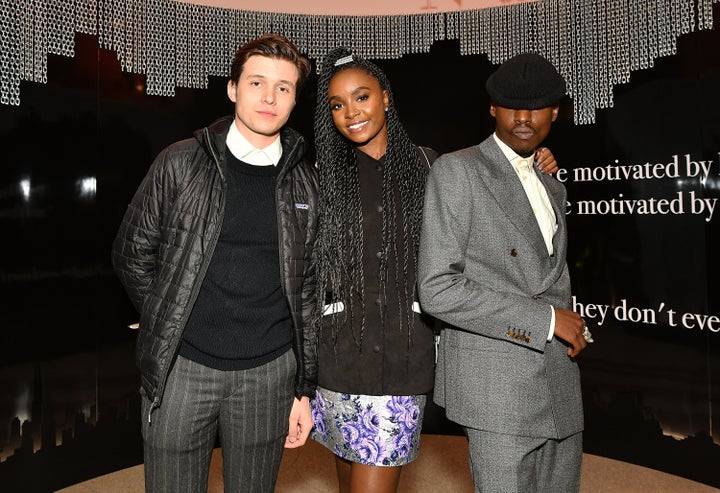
<point>264,96</point>
<point>523,130</point>
<point>357,104</point>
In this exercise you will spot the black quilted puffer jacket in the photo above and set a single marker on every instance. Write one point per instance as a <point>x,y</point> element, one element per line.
<point>168,236</point>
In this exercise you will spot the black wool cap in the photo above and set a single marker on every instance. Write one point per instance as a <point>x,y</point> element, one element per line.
<point>526,81</point>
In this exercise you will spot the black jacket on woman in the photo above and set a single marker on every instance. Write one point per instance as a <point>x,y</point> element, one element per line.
<point>387,357</point>
<point>167,237</point>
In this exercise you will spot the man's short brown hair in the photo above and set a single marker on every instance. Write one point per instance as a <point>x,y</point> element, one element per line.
<point>271,46</point>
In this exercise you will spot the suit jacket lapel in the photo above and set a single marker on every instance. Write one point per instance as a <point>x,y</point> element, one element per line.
<point>556,193</point>
<point>510,195</point>
<point>557,196</point>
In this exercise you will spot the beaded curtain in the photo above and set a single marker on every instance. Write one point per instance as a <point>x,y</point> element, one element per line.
<point>595,44</point>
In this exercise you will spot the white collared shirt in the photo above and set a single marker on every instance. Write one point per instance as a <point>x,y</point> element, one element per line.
<point>539,201</point>
<point>535,191</point>
<point>246,152</point>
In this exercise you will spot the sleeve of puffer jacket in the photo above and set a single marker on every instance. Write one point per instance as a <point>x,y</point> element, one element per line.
<point>309,333</point>
<point>134,251</point>
<point>310,365</point>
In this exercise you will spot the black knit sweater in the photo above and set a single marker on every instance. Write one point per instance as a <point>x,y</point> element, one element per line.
<point>241,319</point>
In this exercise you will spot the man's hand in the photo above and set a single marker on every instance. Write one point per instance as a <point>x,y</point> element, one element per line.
<point>569,327</point>
<point>545,160</point>
<point>300,423</point>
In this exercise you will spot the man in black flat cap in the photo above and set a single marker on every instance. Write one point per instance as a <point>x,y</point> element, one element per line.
<point>492,267</point>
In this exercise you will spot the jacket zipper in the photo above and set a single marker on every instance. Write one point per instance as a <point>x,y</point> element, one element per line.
<point>281,252</point>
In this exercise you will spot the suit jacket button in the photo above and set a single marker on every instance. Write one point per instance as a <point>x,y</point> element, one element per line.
<point>376,348</point>
<point>378,301</point>
<point>513,252</point>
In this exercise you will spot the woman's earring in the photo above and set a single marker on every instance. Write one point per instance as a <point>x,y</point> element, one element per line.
<point>386,108</point>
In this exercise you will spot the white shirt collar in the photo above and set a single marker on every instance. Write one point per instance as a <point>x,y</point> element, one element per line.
<point>246,152</point>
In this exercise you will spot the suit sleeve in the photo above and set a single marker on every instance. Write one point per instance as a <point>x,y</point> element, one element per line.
<point>447,238</point>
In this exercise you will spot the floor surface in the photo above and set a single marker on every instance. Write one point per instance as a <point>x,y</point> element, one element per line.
<point>441,468</point>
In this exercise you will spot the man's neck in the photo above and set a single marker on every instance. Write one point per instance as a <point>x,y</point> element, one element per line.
<point>507,149</point>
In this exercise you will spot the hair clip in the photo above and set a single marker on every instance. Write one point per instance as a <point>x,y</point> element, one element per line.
<point>343,60</point>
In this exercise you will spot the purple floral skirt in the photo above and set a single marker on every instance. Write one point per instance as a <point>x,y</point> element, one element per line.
<point>377,430</point>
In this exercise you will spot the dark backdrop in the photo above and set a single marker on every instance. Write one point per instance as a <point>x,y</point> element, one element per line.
<point>76,148</point>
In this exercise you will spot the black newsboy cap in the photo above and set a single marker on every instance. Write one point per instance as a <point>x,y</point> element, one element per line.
<point>526,81</point>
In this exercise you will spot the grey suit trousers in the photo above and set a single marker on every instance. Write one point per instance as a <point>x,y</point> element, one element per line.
<point>249,409</point>
<point>502,463</point>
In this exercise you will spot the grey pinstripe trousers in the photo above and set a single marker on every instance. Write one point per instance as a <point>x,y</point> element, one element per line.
<point>249,409</point>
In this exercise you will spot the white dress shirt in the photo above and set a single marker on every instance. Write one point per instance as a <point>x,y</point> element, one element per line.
<point>539,201</point>
<point>535,191</point>
<point>246,152</point>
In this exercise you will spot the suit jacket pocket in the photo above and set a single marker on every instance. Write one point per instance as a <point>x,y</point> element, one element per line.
<point>502,391</point>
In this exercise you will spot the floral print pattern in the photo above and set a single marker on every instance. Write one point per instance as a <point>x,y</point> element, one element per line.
<point>372,430</point>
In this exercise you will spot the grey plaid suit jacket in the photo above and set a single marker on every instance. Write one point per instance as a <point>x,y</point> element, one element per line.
<point>484,270</point>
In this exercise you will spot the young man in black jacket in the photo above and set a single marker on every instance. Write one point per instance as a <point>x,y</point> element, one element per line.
<point>216,253</point>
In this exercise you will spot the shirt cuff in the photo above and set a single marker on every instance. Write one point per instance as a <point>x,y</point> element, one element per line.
<point>552,323</point>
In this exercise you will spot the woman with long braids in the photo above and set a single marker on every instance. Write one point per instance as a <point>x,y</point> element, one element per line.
<point>375,348</point>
